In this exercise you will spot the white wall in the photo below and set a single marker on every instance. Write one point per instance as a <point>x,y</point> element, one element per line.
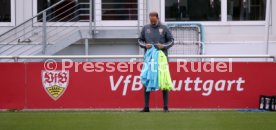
<point>220,39</point>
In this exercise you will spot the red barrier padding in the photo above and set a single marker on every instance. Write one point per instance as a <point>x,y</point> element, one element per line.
<point>23,87</point>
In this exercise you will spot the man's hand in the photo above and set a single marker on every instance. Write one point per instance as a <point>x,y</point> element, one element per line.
<point>148,46</point>
<point>160,46</point>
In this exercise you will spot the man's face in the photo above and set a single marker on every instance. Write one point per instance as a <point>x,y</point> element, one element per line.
<point>153,19</point>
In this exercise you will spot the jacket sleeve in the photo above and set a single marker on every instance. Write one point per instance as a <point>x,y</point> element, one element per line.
<point>141,39</point>
<point>169,39</point>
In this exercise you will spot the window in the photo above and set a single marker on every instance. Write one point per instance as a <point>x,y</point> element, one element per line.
<point>5,11</point>
<point>215,12</point>
<point>192,10</point>
<point>119,9</point>
<point>67,11</point>
<point>105,12</point>
<point>243,10</point>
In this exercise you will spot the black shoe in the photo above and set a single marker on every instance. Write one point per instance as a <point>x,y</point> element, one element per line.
<point>166,109</point>
<point>146,109</point>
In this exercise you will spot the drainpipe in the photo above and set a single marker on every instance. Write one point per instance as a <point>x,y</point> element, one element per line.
<point>138,17</point>
<point>91,15</point>
<point>267,24</point>
<point>44,36</point>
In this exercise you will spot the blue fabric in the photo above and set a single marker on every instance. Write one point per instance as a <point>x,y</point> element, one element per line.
<point>149,74</point>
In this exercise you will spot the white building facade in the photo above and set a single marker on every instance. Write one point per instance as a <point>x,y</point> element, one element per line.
<point>231,27</point>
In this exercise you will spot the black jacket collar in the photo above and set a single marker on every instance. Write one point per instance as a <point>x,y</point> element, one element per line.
<point>155,25</point>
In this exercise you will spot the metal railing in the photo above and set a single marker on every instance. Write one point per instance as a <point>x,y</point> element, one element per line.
<point>46,27</point>
<point>59,20</point>
<point>17,58</point>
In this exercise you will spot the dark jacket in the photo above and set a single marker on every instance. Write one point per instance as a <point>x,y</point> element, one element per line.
<point>154,34</point>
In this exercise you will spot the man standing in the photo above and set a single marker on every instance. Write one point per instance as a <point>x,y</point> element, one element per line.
<point>156,35</point>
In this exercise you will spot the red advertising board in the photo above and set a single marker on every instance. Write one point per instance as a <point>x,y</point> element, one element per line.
<point>30,86</point>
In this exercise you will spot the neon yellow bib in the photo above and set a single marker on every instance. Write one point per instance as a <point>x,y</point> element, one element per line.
<point>164,76</point>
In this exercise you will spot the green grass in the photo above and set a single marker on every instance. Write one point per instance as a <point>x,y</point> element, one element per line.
<point>185,120</point>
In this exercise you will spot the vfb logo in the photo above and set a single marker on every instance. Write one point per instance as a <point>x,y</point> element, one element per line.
<point>55,83</point>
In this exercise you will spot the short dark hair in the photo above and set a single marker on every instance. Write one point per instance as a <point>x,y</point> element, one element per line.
<point>154,14</point>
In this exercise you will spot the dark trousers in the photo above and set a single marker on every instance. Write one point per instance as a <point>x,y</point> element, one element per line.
<point>165,98</point>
